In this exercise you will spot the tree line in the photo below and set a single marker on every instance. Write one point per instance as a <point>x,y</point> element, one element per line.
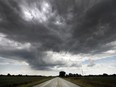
<point>63,74</point>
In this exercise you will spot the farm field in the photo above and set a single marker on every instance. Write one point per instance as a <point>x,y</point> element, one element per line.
<point>93,81</point>
<point>21,81</point>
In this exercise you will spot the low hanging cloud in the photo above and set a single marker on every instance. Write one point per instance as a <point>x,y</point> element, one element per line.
<point>30,29</point>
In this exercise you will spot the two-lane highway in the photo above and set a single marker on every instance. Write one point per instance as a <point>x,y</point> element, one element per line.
<point>57,82</point>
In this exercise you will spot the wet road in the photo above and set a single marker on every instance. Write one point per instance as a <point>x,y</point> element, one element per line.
<point>57,82</point>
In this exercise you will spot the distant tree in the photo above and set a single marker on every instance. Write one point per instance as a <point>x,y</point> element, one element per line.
<point>67,75</point>
<point>114,75</point>
<point>8,74</point>
<point>77,75</point>
<point>20,75</point>
<point>1,75</point>
<point>105,74</point>
<point>62,73</point>
<point>70,75</point>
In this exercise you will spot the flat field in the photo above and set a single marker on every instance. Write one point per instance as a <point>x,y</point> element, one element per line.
<point>21,81</point>
<point>93,81</point>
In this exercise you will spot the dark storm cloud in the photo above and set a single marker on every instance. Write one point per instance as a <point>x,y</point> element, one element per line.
<point>88,25</point>
<point>35,58</point>
<point>97,26</point>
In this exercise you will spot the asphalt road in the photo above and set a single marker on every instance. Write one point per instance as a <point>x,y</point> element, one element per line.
<point>57,82</point>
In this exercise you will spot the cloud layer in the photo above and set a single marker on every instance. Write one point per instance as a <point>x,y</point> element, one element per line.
<point>34,30</point>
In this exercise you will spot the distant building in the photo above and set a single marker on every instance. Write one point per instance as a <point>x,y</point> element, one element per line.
<point>62,73</point>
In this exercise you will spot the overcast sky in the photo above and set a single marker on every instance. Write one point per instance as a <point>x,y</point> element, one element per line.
<point>47,36</point>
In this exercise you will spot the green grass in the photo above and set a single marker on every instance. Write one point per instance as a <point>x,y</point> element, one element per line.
<point>21,81</point>
<point>93,81</point>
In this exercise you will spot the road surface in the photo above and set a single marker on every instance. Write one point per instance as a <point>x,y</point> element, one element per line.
<point>57,82</point>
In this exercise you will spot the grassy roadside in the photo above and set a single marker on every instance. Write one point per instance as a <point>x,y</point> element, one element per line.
<point>21,81</point>
<point>35,82</point>
<point>93,81</point>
